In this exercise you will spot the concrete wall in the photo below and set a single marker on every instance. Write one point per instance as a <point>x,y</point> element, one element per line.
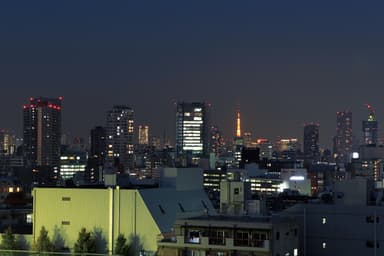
<point>106,212</point>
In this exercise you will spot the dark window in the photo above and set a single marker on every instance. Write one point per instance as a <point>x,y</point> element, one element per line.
<point>65,198</point>
<point>65,223</point>
<point>237,191</point>
<point>371,219</point>
<point>277,235</point>
<point>296,232</point>
<point>371,244</point>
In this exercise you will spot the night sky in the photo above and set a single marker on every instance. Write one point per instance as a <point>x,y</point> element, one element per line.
<point>284,62</point>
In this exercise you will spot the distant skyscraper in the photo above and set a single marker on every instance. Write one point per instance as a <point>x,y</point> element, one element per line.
<point>120,136</point>
<point>143,135</point>
<point>247,139</point>
<point>192,129</point>
<point>217,143</point>
<point>370,128</point>
<point>98,142</point>
<point>266,148</point>
<point>311,141</point>
<point>7,143</point>
<point>42,132</point>
<point>343,138</point>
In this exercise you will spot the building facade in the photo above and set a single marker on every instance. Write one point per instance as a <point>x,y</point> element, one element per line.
<point>191,129</point>
<point>343,139</point>
<point>370,127</point>
<point>42,132</point>
<point>119,131</point>
<point>311,141</point>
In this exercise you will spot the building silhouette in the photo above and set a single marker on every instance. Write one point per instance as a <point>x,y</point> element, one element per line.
<point>192,130</point>
<point>370,128</point>
<point>119,131</point>
<point>42,132</point>
<point>311,141</point>
<point>343,139</point>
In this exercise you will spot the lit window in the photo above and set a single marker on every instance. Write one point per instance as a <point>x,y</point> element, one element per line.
<point>324,245</point>
<point>324,221</point>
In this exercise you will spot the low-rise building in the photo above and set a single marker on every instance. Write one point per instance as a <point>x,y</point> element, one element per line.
<point>227,236</point>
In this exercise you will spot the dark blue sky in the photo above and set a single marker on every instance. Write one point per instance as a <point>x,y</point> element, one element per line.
<point>284,62</point>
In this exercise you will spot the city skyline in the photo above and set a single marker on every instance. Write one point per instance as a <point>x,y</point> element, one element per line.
<point>284,64</point>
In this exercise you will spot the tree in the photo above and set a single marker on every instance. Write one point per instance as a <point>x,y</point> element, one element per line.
<point>86,242</point>
<point>121,247</point>
<point>135,246</point>
<point>8,240</point>
<point>43,243</point>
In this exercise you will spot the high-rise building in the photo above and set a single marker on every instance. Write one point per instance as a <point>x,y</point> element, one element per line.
<point>42,132</point>
<point>343,139</point>
<point>191,129</point>
<point>119,131</point>
<point>7,143</point>
<point>98,142</point>
<point>370,128</point>
<point>266,148</point>
<point>247,139</point>
<point>143,135</point>
<point>311,141</point>
<point>217,143</point>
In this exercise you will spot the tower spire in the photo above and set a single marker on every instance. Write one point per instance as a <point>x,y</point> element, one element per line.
<point>238,124</point>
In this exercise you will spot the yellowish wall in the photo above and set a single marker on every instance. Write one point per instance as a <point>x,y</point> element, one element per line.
<point>90,208</point>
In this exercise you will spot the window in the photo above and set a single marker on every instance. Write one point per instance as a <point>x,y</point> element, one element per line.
<point>277,235</point>
<point>241,238</point>
<point>371,244</point>
<point>324,245</point>
<point>236,191</point>
<point>64,198</point>
<point>324,220</point>
<point>194,237</point>
<point>295,252</point>
<point>65,222</point>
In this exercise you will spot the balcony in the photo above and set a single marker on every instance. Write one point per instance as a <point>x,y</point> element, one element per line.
<point>216,244</point>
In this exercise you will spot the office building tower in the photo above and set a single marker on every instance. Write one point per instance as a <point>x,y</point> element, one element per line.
<point>7,143</point>
<point>143,135</point>
<point>191,129</point>
<point>119,131</point>
<point>370,128</point>
<point>266,148</point>
<point>311,141</point>
<point>42,132</point>
<point>72,162</point>
<point>98,142</point>
<point>343,139</point>
<point>247,139</point>
<point>217,142</point>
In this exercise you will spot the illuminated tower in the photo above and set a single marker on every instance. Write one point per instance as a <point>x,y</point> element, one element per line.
<point>238,125</point>
<point>42,132</point>
<point>238,142</point>
<point>343,139</point>
<point>119,131</point>
<point>143,135</point>
<point>192,129</point>
<point>370,128</point>
<point>311,141</point>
